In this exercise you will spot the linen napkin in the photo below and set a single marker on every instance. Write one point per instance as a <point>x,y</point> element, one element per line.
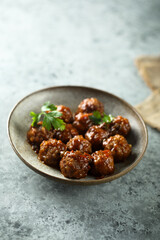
<point>149,70</point>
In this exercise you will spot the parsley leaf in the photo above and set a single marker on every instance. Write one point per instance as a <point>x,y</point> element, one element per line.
<point>35,117</point>
<point>48,107</point>
<point>55,114</point>
<point>47,122</point>
<point>98,119</point>
<point>50,118</point>
<point>107,118</point>
<point>58,124</point>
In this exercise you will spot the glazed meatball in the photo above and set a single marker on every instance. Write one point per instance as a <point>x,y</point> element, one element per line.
<point>103,163</point>
<point>36,135</point>
<point>75,164</point>
<point>79,143</point>
<point>66,113</point>
<point>82,122</point>
<point>65,135</point>
<point>95,135</point>
<point>118,146</point>
<point>89,105</point>
<point>51,152</point>
<point>120,126</point>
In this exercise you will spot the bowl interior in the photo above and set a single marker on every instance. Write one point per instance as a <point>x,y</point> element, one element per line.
<point>20,120</point>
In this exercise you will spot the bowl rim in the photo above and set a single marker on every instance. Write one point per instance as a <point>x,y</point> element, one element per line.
<point>78,181</point>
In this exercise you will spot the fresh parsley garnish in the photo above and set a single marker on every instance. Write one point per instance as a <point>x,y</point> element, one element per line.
<point>35,118</point>
<point>49,116</point>
<point>107,118</point>
<point>98,119</point>
<point>48,107</point>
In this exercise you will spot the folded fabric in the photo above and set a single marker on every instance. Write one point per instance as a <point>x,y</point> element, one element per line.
<point>149,69</point>
<point>150,109</point>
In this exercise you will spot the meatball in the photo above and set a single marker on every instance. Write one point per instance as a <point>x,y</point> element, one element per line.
<point>120,126</point>
<point>65,135</point>
<point>79,143</point>
<point>103,163</point>
<point>75,164</point>
<point>51,152</point>
<point>89,105</point>
<point>36,135</point>
<point>82,122</point>
<point>66,113</point>
<point>95,135</point>
<point>118,146</point>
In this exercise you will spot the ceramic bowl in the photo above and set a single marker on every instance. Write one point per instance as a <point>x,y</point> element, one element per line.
<point>19,122</point>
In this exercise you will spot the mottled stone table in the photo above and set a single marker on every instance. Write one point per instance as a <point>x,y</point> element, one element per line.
<point>90,43</point>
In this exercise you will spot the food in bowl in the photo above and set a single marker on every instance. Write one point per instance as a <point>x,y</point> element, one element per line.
<point>87,142</point>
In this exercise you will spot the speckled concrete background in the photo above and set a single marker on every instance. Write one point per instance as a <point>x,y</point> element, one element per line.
<point>92,43</point>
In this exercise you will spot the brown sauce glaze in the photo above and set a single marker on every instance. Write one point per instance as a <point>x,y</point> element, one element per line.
<point>83,147</point>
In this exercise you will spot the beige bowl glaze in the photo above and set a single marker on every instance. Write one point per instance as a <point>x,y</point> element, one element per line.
<point>19,122</point>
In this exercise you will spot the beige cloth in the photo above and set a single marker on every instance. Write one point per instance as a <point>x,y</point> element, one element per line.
<point>149,69</point>
<point>150,109</point>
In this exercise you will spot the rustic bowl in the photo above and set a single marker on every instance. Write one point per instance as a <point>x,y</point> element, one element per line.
<point>20,120</point>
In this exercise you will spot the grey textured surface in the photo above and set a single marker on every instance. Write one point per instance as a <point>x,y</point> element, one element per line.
<point>92,43</point>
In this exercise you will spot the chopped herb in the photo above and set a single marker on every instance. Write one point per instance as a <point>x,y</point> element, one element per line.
<point>35,118</point>
<point>107,118</point>
<point>98,119</point>
<point>48,107</point>
<point>50,118</point>
<point>58,124</point>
